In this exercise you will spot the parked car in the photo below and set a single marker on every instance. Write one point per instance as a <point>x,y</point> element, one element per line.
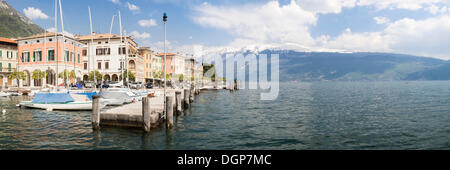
<point>134,85</point>
<point>149,85</point>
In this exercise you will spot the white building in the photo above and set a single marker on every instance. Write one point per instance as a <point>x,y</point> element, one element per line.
<point>108,54</point>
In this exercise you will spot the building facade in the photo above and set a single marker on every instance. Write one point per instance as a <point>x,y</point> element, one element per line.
<point>107,54</point>
<point>8,61</point>
<point>170,64</point>
<point>44,52</point>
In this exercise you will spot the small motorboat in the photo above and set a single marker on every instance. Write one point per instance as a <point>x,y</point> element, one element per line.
<point>60,101</point>
<point>3,94</point>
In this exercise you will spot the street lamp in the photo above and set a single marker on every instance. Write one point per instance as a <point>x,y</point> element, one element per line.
<point>165,63</point>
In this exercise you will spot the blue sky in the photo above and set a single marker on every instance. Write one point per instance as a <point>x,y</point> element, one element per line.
<point>418,27</point>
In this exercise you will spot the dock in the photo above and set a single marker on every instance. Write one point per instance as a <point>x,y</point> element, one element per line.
<point>149,112</point>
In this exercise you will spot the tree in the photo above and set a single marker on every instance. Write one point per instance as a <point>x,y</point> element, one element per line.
<point>38,75</point>
<point>19,75</point>
<point>209,71</point>
<point>98,75</point>
<point>181,77</point>
<point>128,74</point>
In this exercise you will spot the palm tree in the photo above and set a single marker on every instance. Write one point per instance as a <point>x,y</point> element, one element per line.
<point>38,75</point>
<point>130,75</point>
<point>98,75</point>
<point>63,75</point>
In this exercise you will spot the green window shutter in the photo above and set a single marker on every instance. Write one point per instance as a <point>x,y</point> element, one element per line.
<point>78,58</point>
<point>9,66</point>
<point>0,53</point>
<point>1,68</point>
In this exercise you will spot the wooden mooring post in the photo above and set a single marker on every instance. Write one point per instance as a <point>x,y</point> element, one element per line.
<point>178,104</point>
<point>95,112</point>
<point>186,98</point>
<point>191,95</point>
<point>146,114</point>
<point>169,111</point>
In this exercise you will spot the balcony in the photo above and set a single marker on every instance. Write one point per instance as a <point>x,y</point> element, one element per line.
<point>7,70</point>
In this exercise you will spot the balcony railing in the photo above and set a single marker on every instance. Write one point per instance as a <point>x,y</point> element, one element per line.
<point>7,70</point>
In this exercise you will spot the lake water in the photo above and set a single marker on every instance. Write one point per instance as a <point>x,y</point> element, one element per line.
<point>325,115</point>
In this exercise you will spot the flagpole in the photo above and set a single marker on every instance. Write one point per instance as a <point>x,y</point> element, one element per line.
<point>165,63</point>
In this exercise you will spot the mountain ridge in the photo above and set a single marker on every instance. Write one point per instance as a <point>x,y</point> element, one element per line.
<point>15,24</point>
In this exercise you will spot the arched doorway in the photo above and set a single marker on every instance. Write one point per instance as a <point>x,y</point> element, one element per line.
<point>115,78</point>
<point>27,80</point>
<point>107,77</point>
<point>37,82</point>
<point>50,77</point>
<point>85,77</point>
<point>132,64</point>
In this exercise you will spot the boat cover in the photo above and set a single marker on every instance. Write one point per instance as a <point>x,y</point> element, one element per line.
<point>88,94</point>
<point>113,94</point>
<point>52,98</point>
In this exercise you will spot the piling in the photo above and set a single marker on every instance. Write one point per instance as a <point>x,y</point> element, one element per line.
<point>95,112</point>
<point>169,111</point>
<point>146,114</point>
<point>191,95</point>
<point>178,103</point>
<point>186,98</point>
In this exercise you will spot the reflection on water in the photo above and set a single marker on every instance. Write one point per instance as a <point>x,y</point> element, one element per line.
<point>330,115</point>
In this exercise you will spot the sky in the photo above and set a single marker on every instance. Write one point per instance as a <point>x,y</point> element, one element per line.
<point>416,27</point>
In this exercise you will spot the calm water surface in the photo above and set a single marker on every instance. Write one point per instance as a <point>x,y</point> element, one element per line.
<point>330,115</point>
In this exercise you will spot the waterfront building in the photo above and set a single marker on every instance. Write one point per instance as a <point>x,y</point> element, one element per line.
<point>44,52</point>
<point>179,65</point>
<point>8,60</point>
<point>146,54</point>
<point>170,64</point>
<point>189,67</point>
<point>109,56</point>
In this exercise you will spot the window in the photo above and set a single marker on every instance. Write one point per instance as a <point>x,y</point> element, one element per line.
<point>85,66</point>
<point>37,56</point>
<point>67,56</point>
<point>84,52</point>
<point>121,50</point>
<point>72,57</point>
<point>51,55</point>
<point>107,65</point>
<point>50,40</point>
<point>9,67</point>
<point>0,53</point>
<point>78,58</point>
<point>99,65</point>
<point>1,67</point>
<point>25,57</point>
<point>38,41</point>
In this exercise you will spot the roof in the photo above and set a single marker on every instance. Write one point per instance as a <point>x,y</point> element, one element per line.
<point>7,40</point>
<point>168,54</point>
<point>98,36</point>
<point>42,35</point>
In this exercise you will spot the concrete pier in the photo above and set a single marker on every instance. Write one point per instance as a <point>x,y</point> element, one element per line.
<point>145,114</point>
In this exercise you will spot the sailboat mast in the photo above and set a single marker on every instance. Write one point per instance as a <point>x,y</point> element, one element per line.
<point>90,47</point>
<point>121,39</point>
<point>56,43</point>
<point>63,45</point>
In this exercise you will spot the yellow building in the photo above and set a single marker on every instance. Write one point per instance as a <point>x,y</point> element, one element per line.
<point>8,61</point>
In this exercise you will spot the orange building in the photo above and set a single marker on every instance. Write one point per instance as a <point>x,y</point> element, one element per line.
<point>44,52</point>
<point>170,65</point>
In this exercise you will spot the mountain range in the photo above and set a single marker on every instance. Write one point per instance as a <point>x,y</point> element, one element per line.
<point>14,24</point>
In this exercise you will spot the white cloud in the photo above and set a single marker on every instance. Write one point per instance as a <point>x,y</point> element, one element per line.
<point>429,37</point>
<point>34,13</point>
<point>381,20</point>
<point>115,1</point>
<point>326,6</point>
<point>147,23</point>
<point>132,7</point>
<point>398,4</point>
<point>270,22</point>
<point>138,35</point>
